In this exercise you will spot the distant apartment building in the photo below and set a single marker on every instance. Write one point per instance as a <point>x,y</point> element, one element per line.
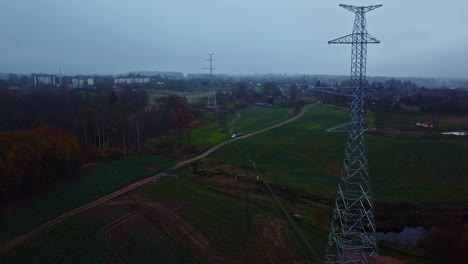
<point>46,79</point>
<point>80,82</point>
<point>132,80</point>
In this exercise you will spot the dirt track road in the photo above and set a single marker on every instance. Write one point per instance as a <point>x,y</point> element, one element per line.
<point>12,243</point>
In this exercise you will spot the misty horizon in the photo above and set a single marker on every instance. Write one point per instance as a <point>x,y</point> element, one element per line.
<point>264,37</point>
<point>185,74</point>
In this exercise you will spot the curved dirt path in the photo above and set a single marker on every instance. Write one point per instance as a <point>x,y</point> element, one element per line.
<point>17,240</point>
<point>232,129</point>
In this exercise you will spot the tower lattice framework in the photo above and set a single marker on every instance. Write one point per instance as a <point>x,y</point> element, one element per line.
<point>352,222</point>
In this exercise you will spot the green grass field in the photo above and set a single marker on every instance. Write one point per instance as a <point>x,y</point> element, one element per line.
<point>142,242</point>
<point>302,155</point>
<point>205,205</point>
<point>252,119</point>
<point>256,118</point>
<point>208,135</point>
<point>58,242</point>
<point>297,154</point>
<point>104,179</point>
<point>221,217</point>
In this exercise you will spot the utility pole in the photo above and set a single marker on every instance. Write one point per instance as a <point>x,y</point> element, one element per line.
<point>350,240</point>
<point>211,91</point>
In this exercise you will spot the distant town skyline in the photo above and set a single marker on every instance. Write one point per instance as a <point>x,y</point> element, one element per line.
<point>5,75</point>
<point>420,38</point>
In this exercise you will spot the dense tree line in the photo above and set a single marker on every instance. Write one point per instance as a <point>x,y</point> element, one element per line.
<point>95,124</point>
<point>94,116</point>
<point>439,100</point>
<point>242,92</point>
<point>268,92</point>
<point>47,135</point>
<point>397,95</point>
<point>33,158</point>
<point>67,109</point>
<point>167,113</point>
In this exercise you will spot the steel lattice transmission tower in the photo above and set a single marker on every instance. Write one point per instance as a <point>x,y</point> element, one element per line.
<point>352,222</point>
<point>211,91</point>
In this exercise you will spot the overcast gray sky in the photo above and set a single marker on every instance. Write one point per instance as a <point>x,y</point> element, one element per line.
<point>421,38</point>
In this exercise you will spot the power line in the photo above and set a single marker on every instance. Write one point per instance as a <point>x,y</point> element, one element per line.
<point>248,159</point>
<point>285,212</point>
<point>262,238</point>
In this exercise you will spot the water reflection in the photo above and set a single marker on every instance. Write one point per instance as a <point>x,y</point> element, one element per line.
<point>410,236</point>
<point>456,133</point>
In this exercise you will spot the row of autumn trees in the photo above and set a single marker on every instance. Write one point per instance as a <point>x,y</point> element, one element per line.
<point>47,135</point>
<point>33,158</point>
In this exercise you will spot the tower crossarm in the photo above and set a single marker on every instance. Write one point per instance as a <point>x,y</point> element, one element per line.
<point>356,38</point>
<point>360,9</point>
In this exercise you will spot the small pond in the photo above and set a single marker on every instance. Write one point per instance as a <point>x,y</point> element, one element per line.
<point>459,133</point>
<point>410,236</point>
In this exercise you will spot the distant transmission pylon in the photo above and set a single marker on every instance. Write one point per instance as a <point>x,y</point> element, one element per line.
<point>211,91</point>
<point>350,239</point>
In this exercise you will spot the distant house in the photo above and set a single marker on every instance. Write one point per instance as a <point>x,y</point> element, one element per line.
<point>427,124</point>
